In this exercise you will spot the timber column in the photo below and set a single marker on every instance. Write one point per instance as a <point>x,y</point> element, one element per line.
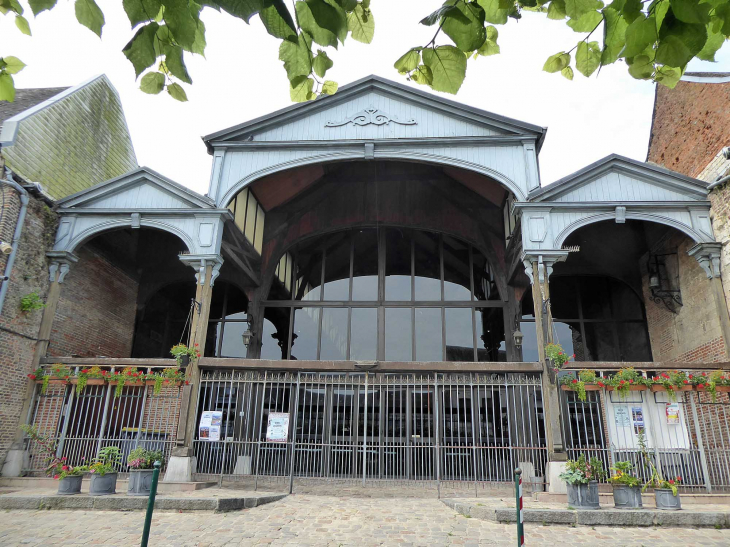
<point>708,256</point>
<point>539,267</point>
<point>183,463</point>
<point>59,266</point>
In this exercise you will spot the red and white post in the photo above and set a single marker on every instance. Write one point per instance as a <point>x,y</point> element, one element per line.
<point>518,504</point>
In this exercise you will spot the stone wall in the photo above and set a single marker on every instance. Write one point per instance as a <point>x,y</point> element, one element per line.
<point>96,311</point>
<point>694,333</point>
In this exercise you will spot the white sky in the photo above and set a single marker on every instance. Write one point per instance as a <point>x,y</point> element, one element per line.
<point>241,78</point>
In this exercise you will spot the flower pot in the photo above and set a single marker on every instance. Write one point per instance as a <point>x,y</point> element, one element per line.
<point>631,388</point>
<point>70,485</point>
<point>184,361</point>
<point>90,381</point>
<point>103,485</point>
<point>583,496</point>
<point>626,497</point>
<point>589,387</point>
<point>140,482</point>
<point>129,383</point>
<point>659,387</point>
<point>666,501</point>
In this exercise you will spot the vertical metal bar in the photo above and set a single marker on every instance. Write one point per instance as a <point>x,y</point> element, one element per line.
<point>104,416</point>
<point>436,416</point>
<point>141,415</point>
<point>365,432</point>
<point>700,443</point>
<point>294,435</point>
<point>473,435</point>
<point>258,443</point>
<point>66,419</point>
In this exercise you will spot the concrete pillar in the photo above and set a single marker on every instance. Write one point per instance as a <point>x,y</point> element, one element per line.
<point>182,462</point>
<point>60,264</point>
<point>708,257</point>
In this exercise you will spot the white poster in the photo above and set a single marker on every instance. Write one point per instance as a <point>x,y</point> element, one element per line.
<point>209,428</point>
<point>277,430</point>
<point>621,415</point>
<point>672,413</point>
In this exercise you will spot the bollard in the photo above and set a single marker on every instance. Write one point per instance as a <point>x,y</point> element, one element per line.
<point>150,505</point>
<point>518,504</point>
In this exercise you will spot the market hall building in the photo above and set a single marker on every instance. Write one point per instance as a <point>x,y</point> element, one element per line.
<point>363,272</point>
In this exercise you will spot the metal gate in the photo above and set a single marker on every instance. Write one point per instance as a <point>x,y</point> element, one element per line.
<point>82,424</point>
<point>365,427</point>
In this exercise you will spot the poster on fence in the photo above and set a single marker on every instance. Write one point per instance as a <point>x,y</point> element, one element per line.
<point>209,428</point>
<point>637,416</point>
<point>621,415</point>
<point>277,430</point>
<point>672,413</point>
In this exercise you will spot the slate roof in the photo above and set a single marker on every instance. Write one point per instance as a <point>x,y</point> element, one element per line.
<point>25,99</point>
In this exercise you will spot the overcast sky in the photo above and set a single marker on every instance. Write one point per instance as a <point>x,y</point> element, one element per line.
<point>241,78</point>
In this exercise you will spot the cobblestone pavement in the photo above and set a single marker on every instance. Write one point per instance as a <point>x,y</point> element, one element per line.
<point>321,520</point>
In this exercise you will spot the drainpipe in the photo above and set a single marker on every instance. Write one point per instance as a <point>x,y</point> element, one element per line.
<point>726,155</point>
<point>16,237</point>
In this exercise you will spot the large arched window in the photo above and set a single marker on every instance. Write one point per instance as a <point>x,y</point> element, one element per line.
<point>596,318</point>
<point>391,294</point>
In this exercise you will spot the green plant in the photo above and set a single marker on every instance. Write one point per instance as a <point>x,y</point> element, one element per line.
<point>141,458</point>
<point>582,470</point>
<point>624,379</point>
<point>672,381</point>
<point>31,301</point>
<point>557,356</point>
<point>82,377</point>
<point>171,375</point>
<point>40,373</point>
<point>709,382</point>
<point>107,461</point>
<point>622,474</point>
<point>128,374</point>
<point>656,480</point>
<point>180,350</point>
<point>579,384</point>
<point>55,467</point>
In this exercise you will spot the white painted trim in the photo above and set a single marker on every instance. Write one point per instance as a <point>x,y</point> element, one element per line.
<point>706,79</point>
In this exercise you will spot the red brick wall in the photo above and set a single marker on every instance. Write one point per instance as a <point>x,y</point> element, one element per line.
<point>96,311</point>
<point>690,125</point>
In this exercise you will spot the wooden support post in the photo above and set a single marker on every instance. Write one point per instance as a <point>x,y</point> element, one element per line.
<point>708,256</point>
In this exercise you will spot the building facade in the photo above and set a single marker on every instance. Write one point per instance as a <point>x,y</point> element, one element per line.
<point>378,273</point>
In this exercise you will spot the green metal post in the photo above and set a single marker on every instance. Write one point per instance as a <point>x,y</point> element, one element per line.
<point>150,505</point>
<point>518,505</point>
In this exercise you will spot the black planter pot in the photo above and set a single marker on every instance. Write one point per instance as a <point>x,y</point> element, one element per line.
<point>140,482</point>
<point>666,501</point>
<point>70,485</point>
<point>583,496</point>
<point>626,497</point>
<point>103,485</point>
<point>184,361</point>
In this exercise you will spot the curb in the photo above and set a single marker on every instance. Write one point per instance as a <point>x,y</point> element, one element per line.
<point>124,503</point>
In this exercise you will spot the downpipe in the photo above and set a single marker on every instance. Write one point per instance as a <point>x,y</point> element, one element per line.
<point>16,239</point>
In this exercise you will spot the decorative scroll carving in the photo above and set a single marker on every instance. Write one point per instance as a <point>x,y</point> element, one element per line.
<point>370,116</point>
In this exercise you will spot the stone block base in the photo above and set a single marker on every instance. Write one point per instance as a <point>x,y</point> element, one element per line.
<point>16,460</point>
<point>557,485</point>
<point>180,469</point>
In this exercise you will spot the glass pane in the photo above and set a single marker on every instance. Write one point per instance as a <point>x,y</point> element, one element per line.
<point>484,286</point>
<point>364,334</point>
<point>232,345</point>
<point>594,298</point>
<point>216,301</point>
<point>601,342</point>
<point>626,305</point>
<point>334,334</point>
<point>308,273</point>
<point>337,268</point>
<point>428,269</point>
<point>490,334</point>
<point>457,278</point>
<point>397,265</point>
<point>563,297</point>
<point>306,329</point>
<point>528,311</point>
<point>365,268</point>
<point>398,332</point>
<point>634,342</point>
<point>429,335</point>
<point>529,342</point>
<point>276,330</point>
<point>459,335</point>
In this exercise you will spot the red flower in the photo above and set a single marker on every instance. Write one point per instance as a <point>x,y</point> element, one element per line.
<point>702,386</point>
<point>117,372</point>
<point>187,383</point>
<point>679,479</point>
<point>31,376</point>
<point>671,481</point>
<point>631,381</point>
<point>622,382</point>
<point>196,345</point>
<point>704,374</point>
<point>85,371</point>
<point>65,468</point>
<point>575,381</point>
<point>56,476</point>
<point>686,381</point>
<point>601,384</point>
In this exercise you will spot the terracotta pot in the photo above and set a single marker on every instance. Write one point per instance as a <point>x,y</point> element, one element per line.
<point>90,381</point>
<point>176,383</point>
<point>659,387</point>
<point>631,388</point>
<point>135,383</point>
<point>589,387</point>
<point>718,389</point>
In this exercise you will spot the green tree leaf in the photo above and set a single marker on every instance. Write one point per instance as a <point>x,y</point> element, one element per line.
<point>141,48</point>
<point>179,19</point>
<point>567,72</point>
<point>243,9</point>
<point>691,11</point>
<point>422,75</point>
<point>13,65</point>
<point>295,54</point>
<point>347,5</point>
<point>639,35</point>
<point>278,21</point>
<point>494,13</point>
<point>89,15</point>
<point>177,92</point>
<point>465,26</point>
<point>448,67</point>
<point>152,83</point>
<point>321,64</point>
<point>330,16</point>
<point>575,8</point>
<point>586,22</point>
<point>361,24</point>
<point>38,6</point>
<point>141,11</point>
<point>408,61</point>
<point>668,76</point>
<point>300,90</point>
<point>679,42</point>
<point>7,87</point>
<point>329,87</point>
<point>175,63</point>
<point>22,24</point>
<point>556,10</point>
<point>715,41</point>
<point>320,35</point>
<point>642,67</point>
<point>614,36</point>
<point>490,46</point>
<point>557,62</point>
<point>587,58</point>
<point>436,16</point>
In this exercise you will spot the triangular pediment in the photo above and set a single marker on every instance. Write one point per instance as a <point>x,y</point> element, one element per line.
<point>376,108</point>
<point>141,189</point>
<point>619,179</point>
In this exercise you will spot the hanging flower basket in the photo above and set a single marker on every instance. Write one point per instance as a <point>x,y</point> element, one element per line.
<point>719,389</point>
<point>660,387</point>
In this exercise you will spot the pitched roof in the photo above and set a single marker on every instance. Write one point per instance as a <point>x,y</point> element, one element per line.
<point>25,99</point>
<point>611,161</point>
<point>385,85</point>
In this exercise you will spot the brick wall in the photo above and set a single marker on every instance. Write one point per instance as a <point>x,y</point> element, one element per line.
<point>694,334</point>
<point>96,311</point>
